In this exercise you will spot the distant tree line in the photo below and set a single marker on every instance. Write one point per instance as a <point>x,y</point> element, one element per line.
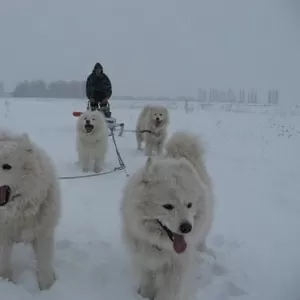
<point>76,90</point>
<point>56,89</point>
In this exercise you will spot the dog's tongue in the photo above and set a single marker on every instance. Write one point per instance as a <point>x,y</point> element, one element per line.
<point>179,243</point>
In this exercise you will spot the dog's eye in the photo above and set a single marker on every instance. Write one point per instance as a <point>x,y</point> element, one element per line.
<point>189,205</point>
<point>168,206</point>
<point>93,119</point>
<point>6,167</point>
<point>85,118</point>
<point>160,115</point>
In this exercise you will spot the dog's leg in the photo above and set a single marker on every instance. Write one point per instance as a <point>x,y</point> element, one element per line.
<point>170,288</point>
<point>148,144</point>
<point>98,165</point>
<point>79,155</point>
<point>148,149</point>
<point>5,257</point>
<point>146,284</point>
<point>99,162</point>
<point>43,247</point>
<point>85,163</point>
<point>100,155</point>
<point>159,148</point>
<point>83,159</point>
<point>139,140</point>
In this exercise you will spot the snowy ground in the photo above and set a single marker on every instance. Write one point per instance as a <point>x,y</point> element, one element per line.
<point>254,161</point>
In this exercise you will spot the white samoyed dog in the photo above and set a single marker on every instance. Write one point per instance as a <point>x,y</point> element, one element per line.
<point>151,128</point>
<point>30,204</point>
<point>91,140</point>
<point>167,212</point>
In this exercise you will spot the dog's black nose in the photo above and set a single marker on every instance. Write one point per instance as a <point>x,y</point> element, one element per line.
<point>87,122</point>
<point>157,119</point>
<point>185,227</point>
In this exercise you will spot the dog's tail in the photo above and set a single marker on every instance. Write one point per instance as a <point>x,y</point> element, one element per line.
<point>185,144</point>
<point>189,146</point>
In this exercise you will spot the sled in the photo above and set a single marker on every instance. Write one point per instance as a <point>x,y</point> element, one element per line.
<point>77,113</point>
<point>112,124</point>
<point>110,121</point>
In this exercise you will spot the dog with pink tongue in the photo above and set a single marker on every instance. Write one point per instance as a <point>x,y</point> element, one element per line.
<point>30,205</point>
<point>167,213</point>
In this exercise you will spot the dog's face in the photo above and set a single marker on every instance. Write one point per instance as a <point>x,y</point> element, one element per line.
<point>172,199</point>
<point>159,115</point>
<point>18,170</point>
<point>90,122</point>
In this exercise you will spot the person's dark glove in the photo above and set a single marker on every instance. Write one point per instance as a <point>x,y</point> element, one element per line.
<point>93,102</point>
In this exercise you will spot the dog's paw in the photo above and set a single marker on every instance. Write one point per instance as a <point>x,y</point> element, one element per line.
<point>208,251</point>
<point>6,274</point>
<point>97,169</point>
<point>145,293</point>
<point>46,279</point>
<point>148,153</point>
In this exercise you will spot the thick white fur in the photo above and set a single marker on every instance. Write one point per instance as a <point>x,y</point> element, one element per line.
<point>92,147</point>
<point>32,216</point>
<point>147,121</point>
<point>160,271</point>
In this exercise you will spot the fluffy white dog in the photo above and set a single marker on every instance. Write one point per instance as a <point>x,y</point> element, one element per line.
<point>92,140</point>
<point>29,204</point>
<point>166,212</point>
<point>151,128</point>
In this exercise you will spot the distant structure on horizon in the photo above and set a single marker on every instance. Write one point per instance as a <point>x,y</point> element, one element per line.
<point>273,97</point>
<point>214,95</point>
<point>2,91</point>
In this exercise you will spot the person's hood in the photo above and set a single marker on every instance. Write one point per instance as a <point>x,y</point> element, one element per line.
<point>97,66</point>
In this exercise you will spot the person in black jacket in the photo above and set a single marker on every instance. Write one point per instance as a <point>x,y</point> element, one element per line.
<point>99,90</point>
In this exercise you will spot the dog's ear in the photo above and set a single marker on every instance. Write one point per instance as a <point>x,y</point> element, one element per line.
<point>167,116</point>
<point>25,142</point>
<point>186,165</point>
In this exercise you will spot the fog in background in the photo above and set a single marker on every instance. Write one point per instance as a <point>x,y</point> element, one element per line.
<point>155,47</point>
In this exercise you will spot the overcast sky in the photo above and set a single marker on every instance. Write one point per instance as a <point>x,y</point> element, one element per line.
<point>157,47</point>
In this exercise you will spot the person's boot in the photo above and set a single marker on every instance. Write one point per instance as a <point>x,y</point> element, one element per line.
<point>93,105</point>
<point>106,111</point>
